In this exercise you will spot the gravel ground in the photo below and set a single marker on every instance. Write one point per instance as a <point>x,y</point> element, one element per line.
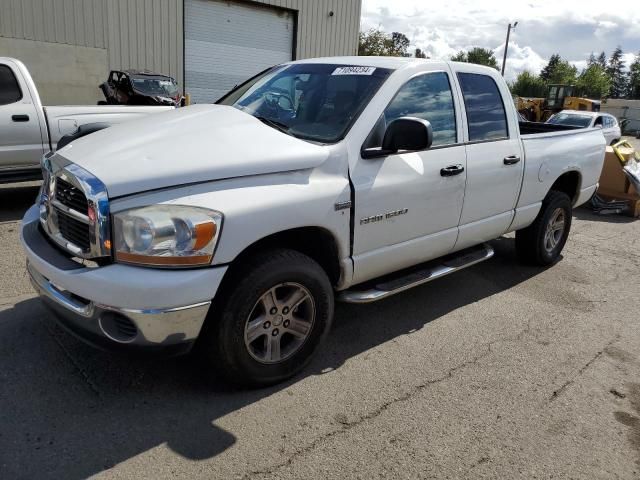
<point>499,371</point>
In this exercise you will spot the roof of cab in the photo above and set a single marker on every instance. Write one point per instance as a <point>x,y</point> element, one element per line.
<point>380,62</point>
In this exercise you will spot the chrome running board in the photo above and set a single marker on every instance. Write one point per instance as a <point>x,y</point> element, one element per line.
<point>388,285</point>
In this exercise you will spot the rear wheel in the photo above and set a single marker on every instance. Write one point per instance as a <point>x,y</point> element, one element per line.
<point>277,311</point>
<point>542,242</point>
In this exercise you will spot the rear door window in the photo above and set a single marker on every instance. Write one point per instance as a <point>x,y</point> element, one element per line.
<point>486,115</point>
<point>9,89</point>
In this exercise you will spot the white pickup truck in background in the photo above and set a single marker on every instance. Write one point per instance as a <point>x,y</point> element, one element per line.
<point>354,177</point>
<point>28,130</point>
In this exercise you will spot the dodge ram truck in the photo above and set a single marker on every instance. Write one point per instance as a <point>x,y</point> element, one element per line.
<point>232,228</point>
<point>28,130</point>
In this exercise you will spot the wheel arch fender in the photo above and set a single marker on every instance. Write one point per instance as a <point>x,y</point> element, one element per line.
<point>569,182</point>
<point>316,242</point>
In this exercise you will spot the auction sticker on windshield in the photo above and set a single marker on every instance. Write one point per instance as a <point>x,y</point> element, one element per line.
<point>354,71</point>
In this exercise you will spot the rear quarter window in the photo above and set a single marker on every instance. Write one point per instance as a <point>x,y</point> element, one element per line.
<point>9,89</point>
<point>486,115</point>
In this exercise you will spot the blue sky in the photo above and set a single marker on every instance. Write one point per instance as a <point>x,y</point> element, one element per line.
<point>572,28</point>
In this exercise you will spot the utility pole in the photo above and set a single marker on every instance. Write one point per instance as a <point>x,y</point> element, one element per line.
<point>506,45</point>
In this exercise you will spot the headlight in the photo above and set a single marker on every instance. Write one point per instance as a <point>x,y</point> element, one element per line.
<point>166,235</point>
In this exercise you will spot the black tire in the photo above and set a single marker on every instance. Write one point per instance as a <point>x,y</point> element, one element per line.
<point>614,141</point>
<point>222,344</point>
<point>532,243</point>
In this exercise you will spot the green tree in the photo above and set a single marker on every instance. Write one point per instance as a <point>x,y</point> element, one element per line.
<point>477,55</point>
<point>559,71</point>
<point>528,84</point>
<point>482,56</point>
<point>372,42</point>
<point>399,45</point>
<point>602,60</point>
<point>616,71</point>
<point>594,82</point>
<point>461,56</point>
<point>546,72</point>
<point>419,53</point>
<point>377,42</point>
<point>634,79</point>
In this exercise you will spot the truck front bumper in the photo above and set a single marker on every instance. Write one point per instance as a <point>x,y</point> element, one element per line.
<point>119,306</point>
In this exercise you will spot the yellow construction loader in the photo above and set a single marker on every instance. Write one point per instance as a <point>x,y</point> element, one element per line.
<point>559,97</point>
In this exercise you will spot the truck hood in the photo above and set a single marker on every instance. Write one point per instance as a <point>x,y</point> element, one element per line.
<point>188,145</point>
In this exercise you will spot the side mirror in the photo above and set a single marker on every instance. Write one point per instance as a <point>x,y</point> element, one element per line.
<point>405,133</point>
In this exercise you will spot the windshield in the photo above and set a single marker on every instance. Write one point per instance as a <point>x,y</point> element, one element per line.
<point>570,119</point>
<point>316,102</point>
<point>155,86</point>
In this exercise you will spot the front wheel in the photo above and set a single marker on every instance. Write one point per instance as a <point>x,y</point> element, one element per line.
<point>278,310</point>
<point>542,242</point>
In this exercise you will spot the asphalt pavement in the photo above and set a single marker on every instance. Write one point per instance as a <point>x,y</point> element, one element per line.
<point>498,371</point>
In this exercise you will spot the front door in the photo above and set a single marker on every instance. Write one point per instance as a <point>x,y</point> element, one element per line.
<point>407,205</point>
<point>494,159</point>
<point>20,136</point>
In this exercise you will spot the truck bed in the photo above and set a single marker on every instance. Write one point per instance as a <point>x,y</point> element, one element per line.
<point>531,128</point>
<point>551,150</point>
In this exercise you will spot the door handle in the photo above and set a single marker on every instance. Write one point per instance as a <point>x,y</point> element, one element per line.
<point>511,160</point>
<point>452,170</point>
<point>20,118</point>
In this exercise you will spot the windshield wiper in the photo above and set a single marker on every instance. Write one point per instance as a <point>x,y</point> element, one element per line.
<point>274,124</point>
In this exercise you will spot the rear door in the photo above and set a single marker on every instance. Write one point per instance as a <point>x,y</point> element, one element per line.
<point>20,137</point>
<point>494,156</point>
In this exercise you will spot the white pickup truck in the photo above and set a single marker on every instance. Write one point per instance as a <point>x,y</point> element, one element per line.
<point>28,130</point>
<point>232,227</point>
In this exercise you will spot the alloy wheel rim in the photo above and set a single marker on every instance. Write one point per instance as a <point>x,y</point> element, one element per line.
<point>555,229</point>
<point>280,323</point>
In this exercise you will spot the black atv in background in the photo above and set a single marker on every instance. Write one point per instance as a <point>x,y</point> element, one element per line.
<point>133,87</point>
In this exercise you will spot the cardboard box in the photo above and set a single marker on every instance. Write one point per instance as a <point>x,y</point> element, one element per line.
<point>612,178</point>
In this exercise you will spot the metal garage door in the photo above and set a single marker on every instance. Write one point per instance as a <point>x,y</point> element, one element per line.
<point>228,42</point>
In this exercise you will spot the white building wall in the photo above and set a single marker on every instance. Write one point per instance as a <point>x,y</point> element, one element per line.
<point>146,34</point>
<point>623,109</point>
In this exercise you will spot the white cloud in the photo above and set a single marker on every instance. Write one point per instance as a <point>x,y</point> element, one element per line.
<point>605,28</point>
<point>628,59</point>
<point>579,64</point>
<point>572,28</point>
<point>519,59</point>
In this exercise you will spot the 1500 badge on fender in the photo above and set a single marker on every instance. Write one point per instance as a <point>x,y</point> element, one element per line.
<point>379,218</point>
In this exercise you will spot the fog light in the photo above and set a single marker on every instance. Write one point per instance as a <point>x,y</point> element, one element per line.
<point>118,327</point>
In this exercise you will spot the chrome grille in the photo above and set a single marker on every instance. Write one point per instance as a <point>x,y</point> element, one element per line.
<point>74,209</point>
<point>73,230</point>
<point>71,196</point>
